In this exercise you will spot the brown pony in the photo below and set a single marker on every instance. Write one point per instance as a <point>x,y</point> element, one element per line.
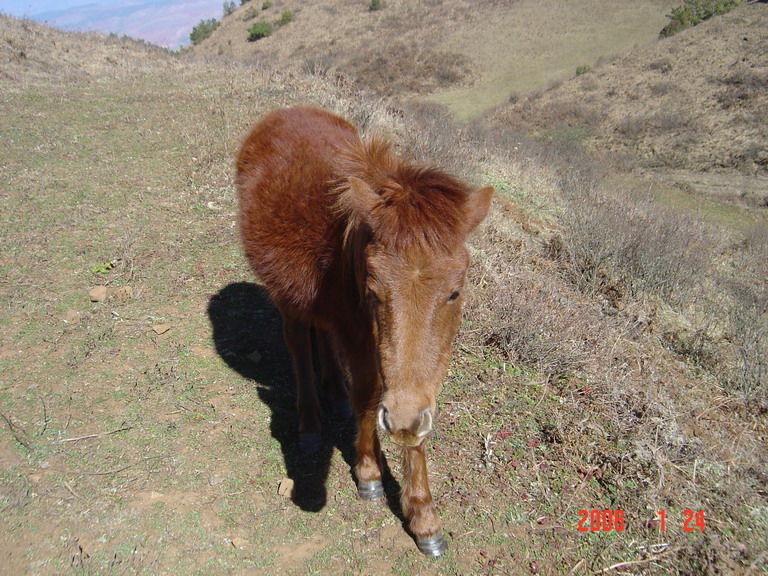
<point>367,253</point>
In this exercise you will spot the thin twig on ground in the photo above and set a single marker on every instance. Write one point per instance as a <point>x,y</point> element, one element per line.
<point>118,470</point>
<point>630,563</point>
<point>15,431</point>
<point>86,437</point>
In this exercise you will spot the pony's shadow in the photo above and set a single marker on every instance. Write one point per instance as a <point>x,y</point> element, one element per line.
<point>248,335</point>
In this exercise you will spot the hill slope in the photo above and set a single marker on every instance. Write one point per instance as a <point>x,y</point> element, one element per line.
<point>468,55</point>
<point>695,101</point>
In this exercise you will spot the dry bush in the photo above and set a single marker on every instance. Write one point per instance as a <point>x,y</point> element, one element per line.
<point>747,318</point>
<point>407,67</point>
<point>569,120</point>
<point>431,134</point>
<point>525,315</point>
<point>663,88</point>
<point>633,126</point>
<point>623,240</point>
<point>748,322</point>
<point>623,246</point>
<point>663,65</point>
<point>620,412</point>
<point>650,429</point>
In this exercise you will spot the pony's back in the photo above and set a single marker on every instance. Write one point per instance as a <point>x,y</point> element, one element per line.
<point>284,177</point>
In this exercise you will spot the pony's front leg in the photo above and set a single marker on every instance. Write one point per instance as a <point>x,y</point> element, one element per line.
<point>366,393</point>
<point>416,501</point>
<point>368,447</point>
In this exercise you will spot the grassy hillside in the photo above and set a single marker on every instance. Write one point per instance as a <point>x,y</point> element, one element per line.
<point>696,101</point>
<point>467,55</point>
<point>612,356</point>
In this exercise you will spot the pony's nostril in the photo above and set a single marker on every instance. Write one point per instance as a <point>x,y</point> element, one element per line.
<point>384,422</point>
<point>425,423</point>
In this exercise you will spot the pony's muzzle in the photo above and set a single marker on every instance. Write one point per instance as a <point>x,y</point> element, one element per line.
<point>412,434</point>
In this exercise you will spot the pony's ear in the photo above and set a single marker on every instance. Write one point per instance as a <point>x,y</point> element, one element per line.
<point>478,204</point>
<point>361,199</point>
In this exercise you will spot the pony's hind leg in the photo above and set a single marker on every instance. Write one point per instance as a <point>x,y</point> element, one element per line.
<point>299,341</point>
<point>332,376</point>
<point>416,501</point>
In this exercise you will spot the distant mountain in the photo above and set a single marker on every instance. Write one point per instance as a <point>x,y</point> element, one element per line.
<point>162,22</point>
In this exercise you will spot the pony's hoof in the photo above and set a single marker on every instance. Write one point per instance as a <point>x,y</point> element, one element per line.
<point>310,442</point>
<point>432,545</point>
<point>370,490</point>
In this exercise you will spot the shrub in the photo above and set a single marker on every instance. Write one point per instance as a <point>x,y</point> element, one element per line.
<point>583,69</point>
<point>285,18</point>
<point>229,7</point>
<point>202,30</point>
<point>741,85</point>
<point>662,65</point>
<point>259,30</point>
<point>748,324</point>
<point>249,14</point>
<point>693,12</point>
<point>627,243</point>
<point>747,317</point>
<point>376,5</point>
<point>267,5</point>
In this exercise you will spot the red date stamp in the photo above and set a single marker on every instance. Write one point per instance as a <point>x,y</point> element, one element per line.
<point>613,520</point>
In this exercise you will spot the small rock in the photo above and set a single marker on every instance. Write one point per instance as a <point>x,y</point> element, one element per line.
<point>285,488</point>
<point>254,356</point>
<point>123,292</point>
<point>72,317</point>
<point>98,293</point>
<point>215,480</point>
<point>160,328</point>
<point>239,543</point>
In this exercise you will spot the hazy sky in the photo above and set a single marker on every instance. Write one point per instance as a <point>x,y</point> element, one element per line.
<point>163,22</point>
<point>32,7</point>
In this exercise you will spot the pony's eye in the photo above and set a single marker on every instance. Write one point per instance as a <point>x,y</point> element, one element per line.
<point>373,297</point>
<point>453,296</point>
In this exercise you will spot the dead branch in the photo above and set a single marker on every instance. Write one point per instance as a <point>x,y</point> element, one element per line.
<point>15,431</point>
<point>86,437</point>
<point>121,469</point>
<point>630,563</point>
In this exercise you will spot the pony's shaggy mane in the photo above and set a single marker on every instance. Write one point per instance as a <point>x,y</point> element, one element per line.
<point>416,205</point>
